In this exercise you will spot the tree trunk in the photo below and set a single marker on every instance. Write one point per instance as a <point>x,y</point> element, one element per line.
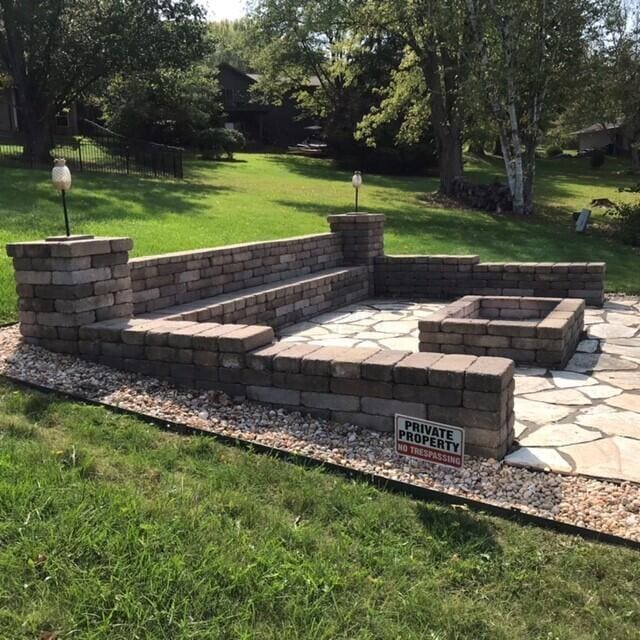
<point>446,118</point>
<point>449,156</point>
<point>36,124</point>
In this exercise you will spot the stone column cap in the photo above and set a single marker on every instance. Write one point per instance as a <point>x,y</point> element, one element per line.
<point>68,247</point>
<point>356,217</point>
<point>74,238</point>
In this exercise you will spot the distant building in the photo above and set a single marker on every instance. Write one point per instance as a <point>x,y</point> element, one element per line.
<point>609,137</point>
<point>275,125</point>
<point>66,122</point>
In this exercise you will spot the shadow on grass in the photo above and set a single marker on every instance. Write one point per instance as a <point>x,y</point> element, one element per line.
<point>457,531</point>
<point>98,199</point>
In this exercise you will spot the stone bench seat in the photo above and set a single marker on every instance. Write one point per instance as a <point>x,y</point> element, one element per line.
<point>276,304</point>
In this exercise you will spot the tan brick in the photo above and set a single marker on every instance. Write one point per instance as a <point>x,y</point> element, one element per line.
<point>262,359</point>
<point>290,359</point>
<point>385,407</point>
<point>516,328</point>
<point>348,363</point>
<point>413,369</point>
<point>380,365</point>
<point>332,401</point>
<point>489,374</point>
<point>449,371</point>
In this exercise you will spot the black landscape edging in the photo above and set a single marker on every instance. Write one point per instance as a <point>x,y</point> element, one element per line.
<point>380,482</point>
<point>8,324</point>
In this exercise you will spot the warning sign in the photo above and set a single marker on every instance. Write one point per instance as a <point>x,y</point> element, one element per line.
<point>430,441</point>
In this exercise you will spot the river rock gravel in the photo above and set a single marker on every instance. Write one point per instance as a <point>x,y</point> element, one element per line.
<point>587,502</point>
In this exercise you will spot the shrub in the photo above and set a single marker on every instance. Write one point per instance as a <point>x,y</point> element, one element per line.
<point>219,142</point>
<point>553,151</point>
<point>597,158</point>
<point>627,215</point>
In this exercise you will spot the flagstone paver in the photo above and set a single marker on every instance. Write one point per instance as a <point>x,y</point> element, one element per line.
<point>543,458</point>
<point>614,457</point>
<point>628,401</point>
<point>606,330</point>
<point>561,396</point>
<point>567,379</point>
<point>584,419</point>
<point>557,435</point>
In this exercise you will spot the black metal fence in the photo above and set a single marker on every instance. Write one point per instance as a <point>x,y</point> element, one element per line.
<point>100,150</point>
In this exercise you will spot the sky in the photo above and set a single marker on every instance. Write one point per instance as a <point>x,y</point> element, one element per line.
<point>224,9</point>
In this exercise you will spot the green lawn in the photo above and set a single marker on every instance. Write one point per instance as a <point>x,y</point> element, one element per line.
<point>271,196</point>
<point>111,529</point>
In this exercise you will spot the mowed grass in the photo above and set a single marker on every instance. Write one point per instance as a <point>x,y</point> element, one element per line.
<point>273,196</point>
<point>112,529</point>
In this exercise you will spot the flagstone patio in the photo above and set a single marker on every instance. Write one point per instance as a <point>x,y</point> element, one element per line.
<point>584,419</point>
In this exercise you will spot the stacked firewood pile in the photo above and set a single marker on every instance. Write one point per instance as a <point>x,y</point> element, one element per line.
<point>488,197</point>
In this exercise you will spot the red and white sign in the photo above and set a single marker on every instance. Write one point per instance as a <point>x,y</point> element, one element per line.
<point>430,441</point>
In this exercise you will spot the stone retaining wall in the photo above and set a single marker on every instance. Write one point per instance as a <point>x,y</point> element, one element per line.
<point>355,385</point>
<point>455,276</point>
<point>177,278</point>
<point>283,303</point>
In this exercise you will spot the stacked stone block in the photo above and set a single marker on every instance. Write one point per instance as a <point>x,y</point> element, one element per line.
<point>454,276</point>
<point>355,385</point>
<point>280,304</point>
<point>362,236</point>
<point>64,284</point>
<point>179,278</point>
<point>542,331</point>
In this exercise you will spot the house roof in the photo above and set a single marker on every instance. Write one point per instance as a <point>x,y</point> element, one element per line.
<point>311,81</point>
<point>598,126</point>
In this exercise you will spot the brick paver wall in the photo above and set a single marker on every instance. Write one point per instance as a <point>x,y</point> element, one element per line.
<point>355,385</point>
<point>80,295</point>
<point>455,276</point>
<point>177,278</point>
<point>64,285</point>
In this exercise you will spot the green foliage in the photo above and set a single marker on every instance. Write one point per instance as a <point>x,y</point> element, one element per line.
<point>230,42</point>
<point>597,158</point>
<point>216,204</point>
<point>627,217</point>
<point>553,151</point>
<point>112,529</point>
<point>220,142</point>
<point>55,51</point>
<point>165,105</point>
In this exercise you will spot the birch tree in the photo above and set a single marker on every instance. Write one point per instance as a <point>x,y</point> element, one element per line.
<point>525,55</point>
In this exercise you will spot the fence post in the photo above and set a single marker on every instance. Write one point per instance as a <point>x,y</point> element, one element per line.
<point>80,155</point>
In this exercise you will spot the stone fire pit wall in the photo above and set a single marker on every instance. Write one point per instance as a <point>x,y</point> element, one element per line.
<point>542,331</point>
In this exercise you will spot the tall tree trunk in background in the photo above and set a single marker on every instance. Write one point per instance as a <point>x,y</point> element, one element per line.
<point>446,116</point>
<point>36,123</point>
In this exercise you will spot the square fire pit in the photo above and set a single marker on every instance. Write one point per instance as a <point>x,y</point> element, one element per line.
<point>542,331</point>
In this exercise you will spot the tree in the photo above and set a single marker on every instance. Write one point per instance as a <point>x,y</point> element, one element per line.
<point>55,50</point>
<point>164,105</point>
<point>231,43</point>
<point>527,55</point>
<point>613,80</point>
<point>435,35</point>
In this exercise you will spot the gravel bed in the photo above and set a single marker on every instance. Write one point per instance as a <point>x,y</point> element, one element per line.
<point>599,505</point>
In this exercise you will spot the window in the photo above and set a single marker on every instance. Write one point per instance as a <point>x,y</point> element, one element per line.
<point>62,119</point>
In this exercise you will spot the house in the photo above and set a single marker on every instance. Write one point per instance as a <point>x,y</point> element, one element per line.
<point>66,121</point>
<point>608,136</point>
<point>274,125</point>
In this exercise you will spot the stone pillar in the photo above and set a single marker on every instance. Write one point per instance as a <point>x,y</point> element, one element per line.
<point>362,236</point>
<point>65,283</point>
